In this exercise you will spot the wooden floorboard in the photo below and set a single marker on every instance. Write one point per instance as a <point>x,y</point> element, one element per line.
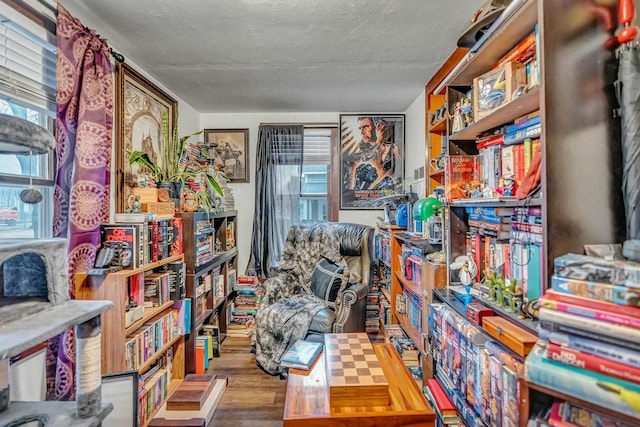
<point>252,398</point>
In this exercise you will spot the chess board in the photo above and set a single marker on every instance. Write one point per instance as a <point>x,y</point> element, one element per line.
<point>353,371</point>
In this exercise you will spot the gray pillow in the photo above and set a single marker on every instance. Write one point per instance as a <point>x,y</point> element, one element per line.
<point>329,280</point>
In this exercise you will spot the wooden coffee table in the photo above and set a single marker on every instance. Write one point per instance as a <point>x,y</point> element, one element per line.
<point>307,400</point>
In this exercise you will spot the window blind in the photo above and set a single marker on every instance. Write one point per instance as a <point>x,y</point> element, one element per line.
<point>317,147</point>
<point>27,66</point>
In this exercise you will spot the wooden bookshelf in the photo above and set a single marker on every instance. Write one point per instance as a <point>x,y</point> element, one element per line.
<point>223,261</point>
<point>113,287</point>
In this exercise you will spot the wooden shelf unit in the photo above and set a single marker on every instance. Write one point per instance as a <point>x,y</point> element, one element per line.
<point>222,261</point>
<point>113,287</point>
<point>577,208</point>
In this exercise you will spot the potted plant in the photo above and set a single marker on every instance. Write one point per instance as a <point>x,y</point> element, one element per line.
<point>179,167</point>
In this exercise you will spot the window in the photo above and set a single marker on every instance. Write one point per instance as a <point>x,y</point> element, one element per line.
<point>316,167</point>
<point>27,90</point>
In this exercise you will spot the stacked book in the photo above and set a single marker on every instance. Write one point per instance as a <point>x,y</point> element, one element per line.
<point>227,202</point>
<point>566,414</point>
<point>406,349</point>
<point>241,312</point>
<point>589,343</point>
<point>446,410</point>
<point>373,310</point>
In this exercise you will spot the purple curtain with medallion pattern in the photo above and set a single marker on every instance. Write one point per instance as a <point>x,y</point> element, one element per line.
<point>81,197</point>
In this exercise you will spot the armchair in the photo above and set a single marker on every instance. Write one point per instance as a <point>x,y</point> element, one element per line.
<point>289,309</point>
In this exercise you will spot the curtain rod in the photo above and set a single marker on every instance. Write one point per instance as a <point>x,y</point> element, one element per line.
<point>306,125</point>
<point>44,20</point>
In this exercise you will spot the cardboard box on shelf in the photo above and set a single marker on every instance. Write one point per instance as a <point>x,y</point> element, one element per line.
<point>496,88</point>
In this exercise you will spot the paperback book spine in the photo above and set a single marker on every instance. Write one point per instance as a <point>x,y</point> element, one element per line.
<point>596,290</point>
<point>596,348</point>
<point>592,313</point>
<point>587,333</point>
<point>602,328</point>
<point>592,363</point>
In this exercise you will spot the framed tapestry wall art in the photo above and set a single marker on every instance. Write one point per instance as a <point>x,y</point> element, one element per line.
<point>140,108</point>
<point>230,151</point>
<point>371,158</point>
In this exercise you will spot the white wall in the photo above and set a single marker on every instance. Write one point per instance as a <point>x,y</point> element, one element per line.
<point>188,117</point>
<point>415,149</point>
<point>244,193</point>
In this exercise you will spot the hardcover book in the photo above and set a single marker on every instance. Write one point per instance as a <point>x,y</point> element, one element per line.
<point>609,392</point>
<point>301,354</point>
<point>591,346</point>
<point>460,173</point>
<point>592,363</point>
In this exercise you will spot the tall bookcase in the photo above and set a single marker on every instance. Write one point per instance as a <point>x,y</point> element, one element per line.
<point>118,329</point>
<point>211,257</point>
<point>579,198</point>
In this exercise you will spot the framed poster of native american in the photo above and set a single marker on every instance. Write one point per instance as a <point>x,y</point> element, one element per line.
<point>371,158</point>
<point>139,112</point>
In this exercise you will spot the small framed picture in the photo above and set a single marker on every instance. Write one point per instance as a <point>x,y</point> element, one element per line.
<point>229,148</point>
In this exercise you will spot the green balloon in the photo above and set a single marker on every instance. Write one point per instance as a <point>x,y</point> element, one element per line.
<point>425,208</point>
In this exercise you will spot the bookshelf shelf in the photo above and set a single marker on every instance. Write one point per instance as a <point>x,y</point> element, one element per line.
<point>147,267</point>
<point>439,127</point>
<point>437,174</point>
<point>508,202</point>
<point>200,320</point>
<point>150,361</point>
<point>514,29</point>
<point>386,294</point>
<point>409,285</point>
<point>526,324</point>
<point>411,331</point>
<point>507,113</point>
<point>149,313</point>
<point>223,233</point>
<point>526,398</point>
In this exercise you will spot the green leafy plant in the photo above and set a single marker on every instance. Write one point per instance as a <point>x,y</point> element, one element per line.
<point>178,166</point>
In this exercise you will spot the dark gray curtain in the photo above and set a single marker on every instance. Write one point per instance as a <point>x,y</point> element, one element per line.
<point>278,170</point>
<point>629,77</point>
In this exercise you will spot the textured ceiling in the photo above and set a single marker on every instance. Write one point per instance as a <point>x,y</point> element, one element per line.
<point>285,55</point>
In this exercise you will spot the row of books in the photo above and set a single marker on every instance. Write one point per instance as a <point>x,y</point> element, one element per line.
<point>409,305</point>
<point>150,338</point>
<point>383,248</point>
<point>385,310</point>
<point>241,311</point>
<point>411,263</point>
<point>516,253</point>
<point>406,349</point>
<point>207,347</point>
<point>478,373</point>
<point>153,387</point>
<point>147,240</point>
<point>503,160</point>
<point>567,414</point>
<point>372,322</point>
<point>589,340</point>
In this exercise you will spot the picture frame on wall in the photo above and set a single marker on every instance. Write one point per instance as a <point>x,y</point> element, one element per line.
<point>139,110</point>
<point>372,148</point>
<point>230,151</point>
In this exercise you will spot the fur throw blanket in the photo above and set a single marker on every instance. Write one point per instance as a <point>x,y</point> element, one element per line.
<point>288,306</point>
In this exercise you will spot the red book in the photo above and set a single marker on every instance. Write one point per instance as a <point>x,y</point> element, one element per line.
<point>176,244</point>
<point>621,314</point>
<point>443,402</point>
<point>199,359</point>
<point>592,363</point>
<point>523,51</point>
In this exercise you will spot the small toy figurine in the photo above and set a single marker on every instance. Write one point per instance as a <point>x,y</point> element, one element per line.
<point>500,287</point>
<point>467,111</point>
<point>458,121</point>
<point>137,207</point>
<point>517,301</point>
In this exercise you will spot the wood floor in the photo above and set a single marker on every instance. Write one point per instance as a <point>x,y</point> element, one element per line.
<point>252,397</point>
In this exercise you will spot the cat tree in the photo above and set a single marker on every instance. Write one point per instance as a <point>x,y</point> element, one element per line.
<point>35,306</point>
